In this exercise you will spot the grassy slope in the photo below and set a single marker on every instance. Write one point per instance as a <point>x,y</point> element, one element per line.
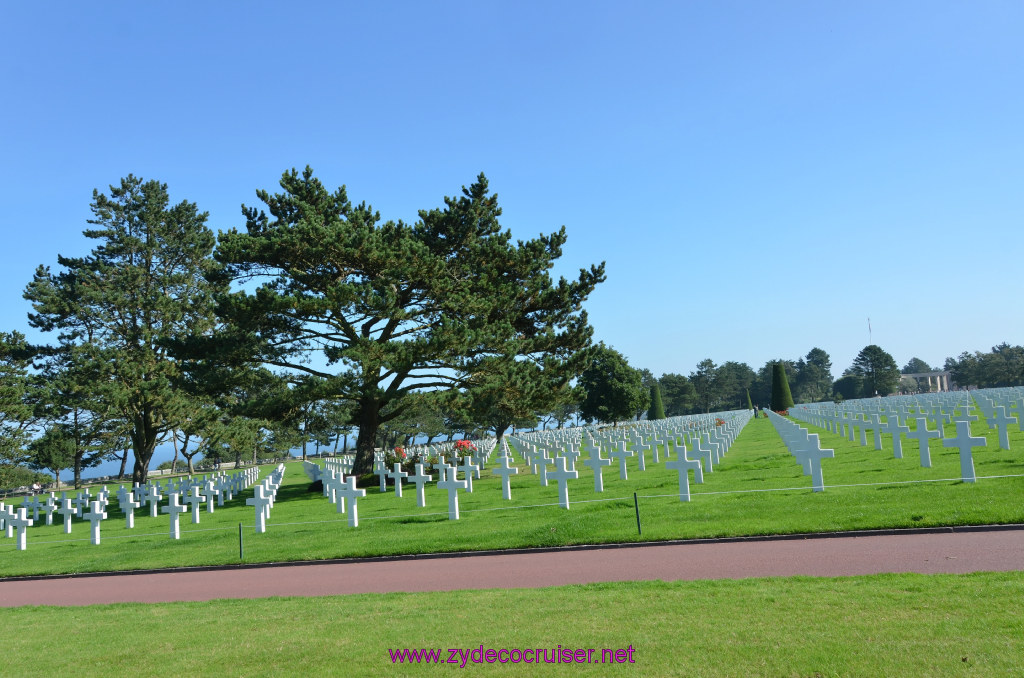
<point>304,525</point>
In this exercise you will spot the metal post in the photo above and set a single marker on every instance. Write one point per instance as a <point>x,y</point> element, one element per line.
<point>636,505</point>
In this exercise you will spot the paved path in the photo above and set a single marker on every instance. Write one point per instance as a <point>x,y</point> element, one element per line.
<point>957,552</point>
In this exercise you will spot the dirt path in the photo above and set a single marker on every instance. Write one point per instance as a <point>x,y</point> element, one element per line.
<point>958,552</point>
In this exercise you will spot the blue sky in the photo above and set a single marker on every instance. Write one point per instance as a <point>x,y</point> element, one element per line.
<point>760,177</point>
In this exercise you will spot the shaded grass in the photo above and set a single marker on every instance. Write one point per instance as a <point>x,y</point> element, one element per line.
<point>881,625</point>
<point>304,525</point>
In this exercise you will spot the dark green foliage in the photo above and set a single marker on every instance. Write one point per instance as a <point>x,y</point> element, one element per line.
<point>847,387</point>
<point>813,382</point>
<point>750,405</point>
<point>678,395</point>
<point>53,451</point>
<point>782,399</point>
<point>614,390</point>
<point>657,409</point>
<point>394,308</point>
<point>916,366</point>
<point>878,372</point>
<point>648,380</point>
<point>1002,366</point>
<point>703,380</point>
<point>117,308</point>
<point>16,411</point>
<point>761,388</point>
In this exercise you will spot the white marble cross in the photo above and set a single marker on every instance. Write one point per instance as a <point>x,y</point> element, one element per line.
<point>49,508</point>
<point>921,434</point>
<point>95,516</point>
<point>453,486</point>
<point>682,465</point>
<point>596,462</point>
<point>34,505</point>
<point>382,472</point>
<point>348,490</point>
<point>397,476</point>
<point>814,454</point>
<point>19,520</point>
<point>540,465</point>
<point>621,454</point>
<point>570,457</point>
<point>467,468</point>
<point>1002,421</point>
<point>504,470</point>
<point>893,426</point>
<point>333,481</point>
<point>80,501</point>
<point>261,501</point>
<point>153,496</point>
<point>875,424</point>
<point>174,508</point>
<point>195,499</point>
<point>562,476</point>
<point>67,510</point>
<point>128,505</point>
<point>420,478</point>
<point>640,447</point>
<point>705,452</point>
<point>965,442</point>
<point>210,492</point>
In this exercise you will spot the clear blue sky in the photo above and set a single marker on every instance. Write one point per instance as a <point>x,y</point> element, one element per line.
<point>760,177</point>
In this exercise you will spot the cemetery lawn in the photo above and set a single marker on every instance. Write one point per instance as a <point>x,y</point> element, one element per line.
<point>758,489</point>
<point>891,625</point>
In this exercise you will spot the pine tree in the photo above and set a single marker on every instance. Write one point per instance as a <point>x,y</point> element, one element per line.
<point>394,308</point>
<point>142,286</point>
<point>657,410</point>
<point>782,399</point>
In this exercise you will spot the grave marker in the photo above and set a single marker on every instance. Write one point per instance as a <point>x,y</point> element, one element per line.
<point>348,490</point>
<point>453,486</point>
<point>562,476</point>
<point>964,441</point>
<point>95,516</point>
<point>504,470</point>
<point>174,509</point>
<point>922,434</point>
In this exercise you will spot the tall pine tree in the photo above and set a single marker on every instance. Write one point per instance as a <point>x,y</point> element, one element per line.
<point>782,399</point>
<point>117,309</point>
<point>394,308</point>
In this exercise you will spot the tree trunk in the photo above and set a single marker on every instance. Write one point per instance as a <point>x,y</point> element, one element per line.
<point>143,446</point>
<point>174,462</point>
<point>368,416</point>
<point>499,434</point>
<point>78,469</point>
<point>124,463</point>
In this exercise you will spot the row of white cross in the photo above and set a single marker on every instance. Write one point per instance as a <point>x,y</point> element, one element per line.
<point>711,444</point>
<point>198,491</point>
<point>922,411</point>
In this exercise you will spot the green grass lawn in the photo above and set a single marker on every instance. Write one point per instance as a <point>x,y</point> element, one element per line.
<point>758,489</point>
<point>883,625</point>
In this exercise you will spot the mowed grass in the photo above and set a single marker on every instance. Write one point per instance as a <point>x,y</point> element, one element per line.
<point>883,625</point>
<point>758,489</point>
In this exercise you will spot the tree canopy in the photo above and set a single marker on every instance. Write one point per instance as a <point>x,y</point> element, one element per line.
<point>394,308</point>
<point>877,370</point>
<point>141,286</point>
<point>614,390</point>
<point>916,366</point>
